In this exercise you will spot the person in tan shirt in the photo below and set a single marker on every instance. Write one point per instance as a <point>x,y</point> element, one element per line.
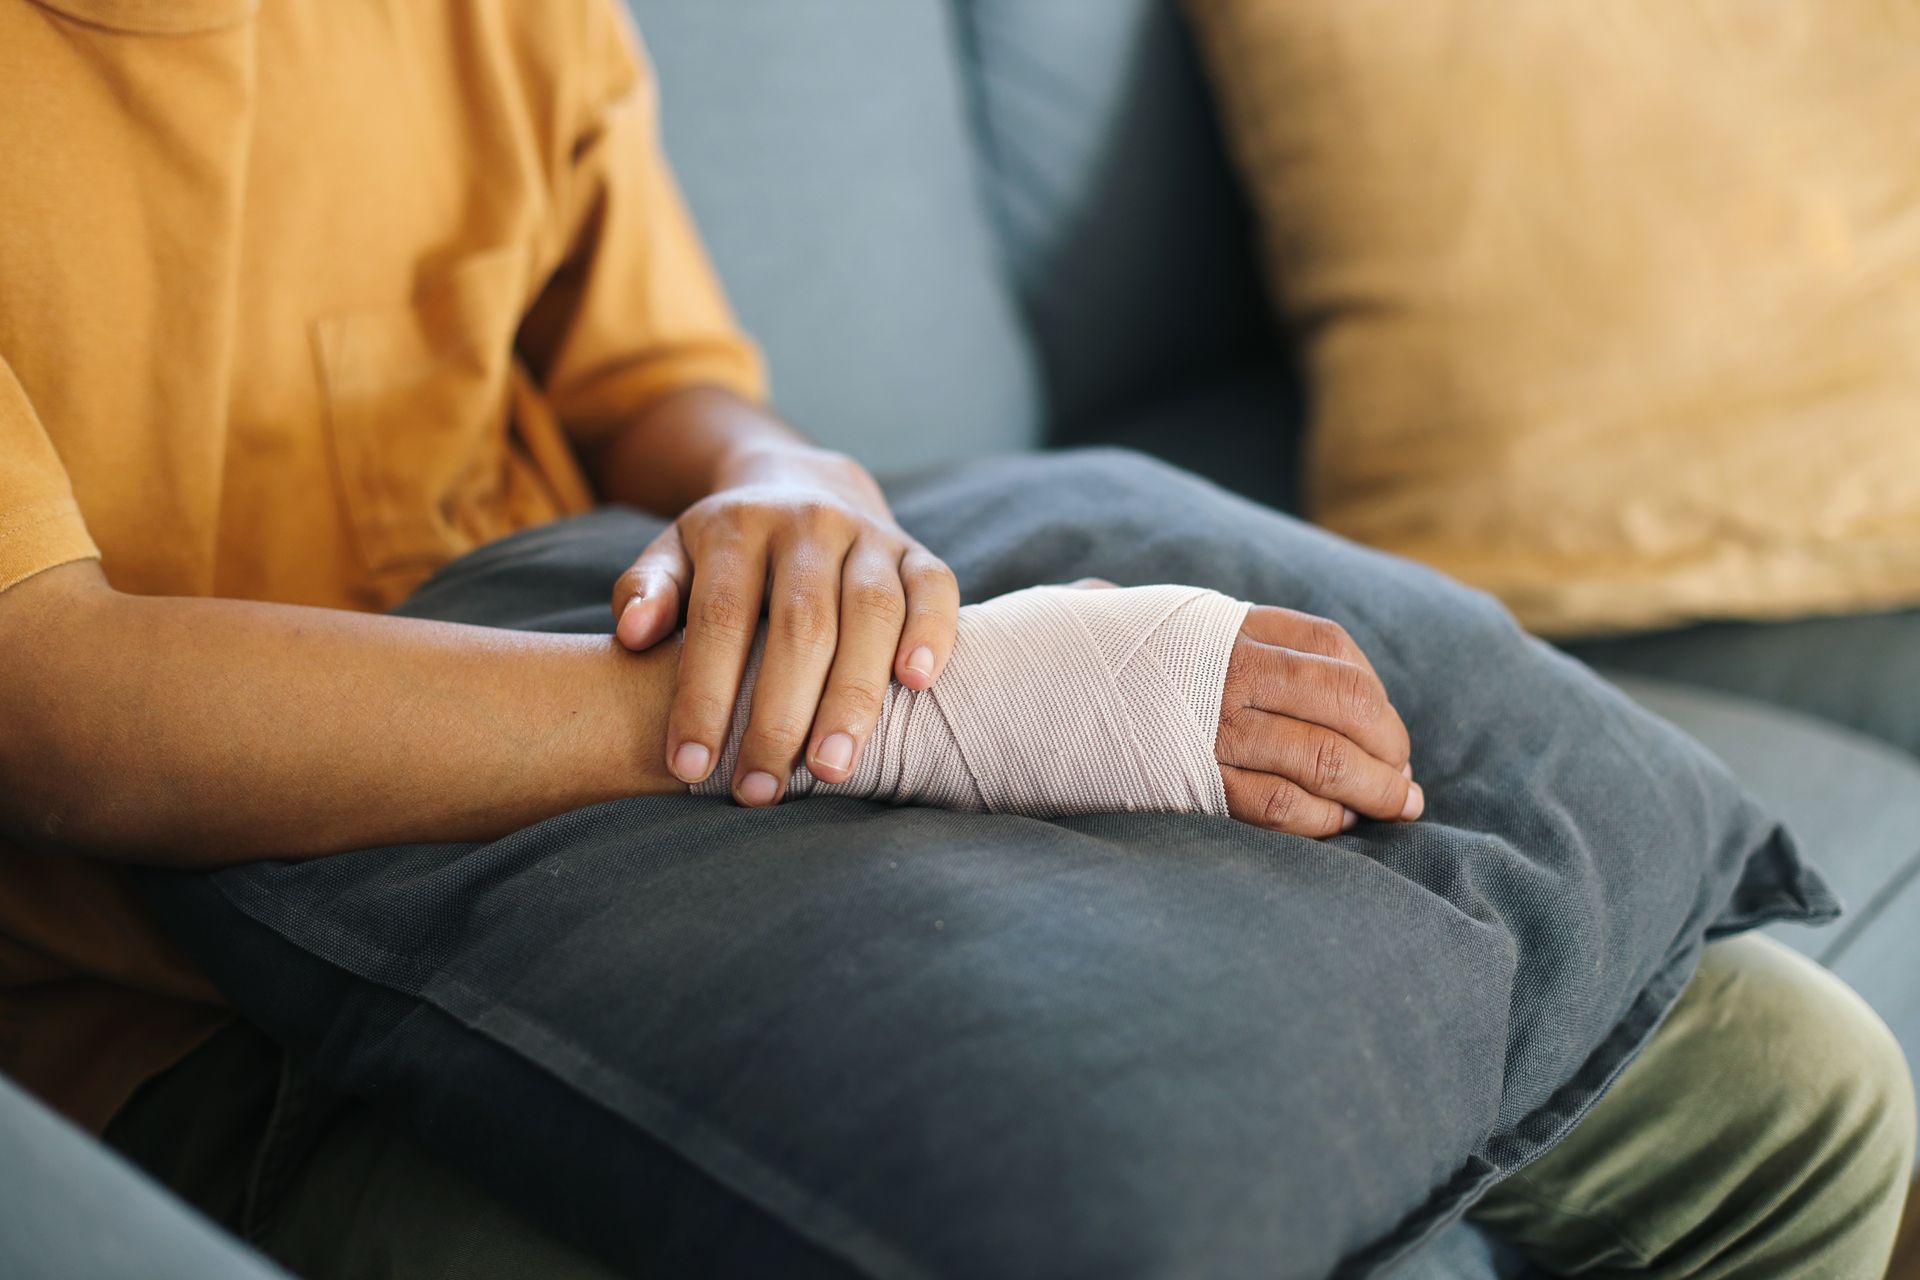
<point>295,307</point>
<point>258,341</point>
<point>298,302</point>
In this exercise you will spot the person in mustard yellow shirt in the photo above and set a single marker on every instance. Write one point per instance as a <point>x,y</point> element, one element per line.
<point>301,300</point>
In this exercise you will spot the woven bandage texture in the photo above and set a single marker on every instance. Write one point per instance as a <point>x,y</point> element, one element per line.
<point>1057,701</point>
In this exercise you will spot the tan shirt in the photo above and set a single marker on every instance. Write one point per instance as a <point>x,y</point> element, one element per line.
<point>299,301</point>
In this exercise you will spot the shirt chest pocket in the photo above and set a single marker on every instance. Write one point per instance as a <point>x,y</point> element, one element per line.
<point>417,402</point>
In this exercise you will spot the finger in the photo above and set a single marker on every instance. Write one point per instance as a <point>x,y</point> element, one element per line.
<point>933,613</point>
<point>803,625</point>
<point>1276,804</point>
<point>873,609</point>
<point>1336,694</point>
<point>1309,633</point>
<point>723,613</point>
<point>1092,584</point>
<point>647,597</point>
<point>1320,761</point>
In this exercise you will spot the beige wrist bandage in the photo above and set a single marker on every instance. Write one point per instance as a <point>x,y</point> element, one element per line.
<point>1056,701</point>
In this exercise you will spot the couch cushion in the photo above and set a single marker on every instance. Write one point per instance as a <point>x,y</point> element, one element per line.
<point>1855,804</point>
<point>926,1043</point>
<point>1861,671</point>
<point>1221,428</point>
<point>71,1208</point>
<point>825,148</point>
<point>1128,235</point>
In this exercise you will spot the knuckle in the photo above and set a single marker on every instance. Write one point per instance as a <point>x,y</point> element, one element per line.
<point>1359,696</point>
<point>1278,807</point>
<point>875,600</point>
<point>726,612</point>
<point>775,735</point>
<point>1328,637</point>
<point>1331,764</point>
<point>1239,671</point>
<point>860,695</point>
<point>1230,739</point>
<point>702,712</point>
<point>806,621</point>
<point>818,517</point>
<point>926,571</point>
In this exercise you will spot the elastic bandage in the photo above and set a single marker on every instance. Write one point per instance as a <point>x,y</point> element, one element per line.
<point>1056,701</point>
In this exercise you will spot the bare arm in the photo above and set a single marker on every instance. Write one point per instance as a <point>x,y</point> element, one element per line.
<point>202,733</point>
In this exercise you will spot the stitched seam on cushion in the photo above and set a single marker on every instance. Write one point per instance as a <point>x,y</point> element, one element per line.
<point>1446,1203</point>
<point>847,1237</point>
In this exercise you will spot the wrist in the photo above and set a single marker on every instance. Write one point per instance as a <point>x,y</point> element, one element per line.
<point>645,684</point>
<point>793,461</point>
<point>777,459</point>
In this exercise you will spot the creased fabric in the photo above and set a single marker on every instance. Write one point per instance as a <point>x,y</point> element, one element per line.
<point>840,1038</point>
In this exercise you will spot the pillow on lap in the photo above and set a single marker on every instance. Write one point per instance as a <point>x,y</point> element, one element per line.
<point>837,1038</point>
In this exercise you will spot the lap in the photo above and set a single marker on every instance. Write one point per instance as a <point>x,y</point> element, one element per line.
<point>1766,1130</point>
<point>370,1204</point>
<point>323,1185</point>
<point>1769,1080</point>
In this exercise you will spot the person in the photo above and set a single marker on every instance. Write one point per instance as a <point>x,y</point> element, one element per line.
<point>301,301</point>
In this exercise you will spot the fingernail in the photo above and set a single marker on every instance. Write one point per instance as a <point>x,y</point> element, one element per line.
<point>920,661</point>
<point>1416,803</point>
<point>758,788</point>
<point>691,761</point>
<point>1406,770</point>
<point>626,613</point>
<point>836,752</point>
<point>1349,822</point>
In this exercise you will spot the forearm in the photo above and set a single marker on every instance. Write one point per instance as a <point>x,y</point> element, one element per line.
<point>684,447</point>
<point>193,732</point>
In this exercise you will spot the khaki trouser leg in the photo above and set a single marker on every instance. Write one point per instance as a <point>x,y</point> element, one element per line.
<point>1766,1132</point>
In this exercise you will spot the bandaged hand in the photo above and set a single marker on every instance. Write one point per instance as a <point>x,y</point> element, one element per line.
<point>1061,701</point>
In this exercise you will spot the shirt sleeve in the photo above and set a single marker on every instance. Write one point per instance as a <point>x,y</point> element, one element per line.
<point>635,310</point>
<point>40,523</point>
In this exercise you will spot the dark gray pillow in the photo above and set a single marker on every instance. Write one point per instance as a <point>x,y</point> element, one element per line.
<point>839,1039</point>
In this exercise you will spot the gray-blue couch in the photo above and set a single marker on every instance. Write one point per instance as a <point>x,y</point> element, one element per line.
<point>969,226</point>
<point>972,226</point>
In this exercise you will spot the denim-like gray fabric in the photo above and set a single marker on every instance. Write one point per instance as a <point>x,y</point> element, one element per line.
<point>70,1209</point>
<point>1862,672</point>
<point>826,150</point>
<point>1128,235</point>
<point>906,1043</point>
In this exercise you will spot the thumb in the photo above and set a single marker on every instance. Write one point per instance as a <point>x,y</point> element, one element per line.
<point>648,597</point>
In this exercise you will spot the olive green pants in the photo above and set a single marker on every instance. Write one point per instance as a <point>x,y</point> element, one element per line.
<point>1766,1132</point>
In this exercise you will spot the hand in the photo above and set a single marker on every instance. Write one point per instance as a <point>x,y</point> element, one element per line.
<point>1308,741</point>
<point>852,603</point>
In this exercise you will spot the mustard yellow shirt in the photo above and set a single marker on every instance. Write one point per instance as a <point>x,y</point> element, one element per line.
<point>298,301</point>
